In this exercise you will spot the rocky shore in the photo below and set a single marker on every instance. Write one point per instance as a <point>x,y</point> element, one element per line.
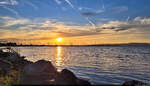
<point>15,69</point>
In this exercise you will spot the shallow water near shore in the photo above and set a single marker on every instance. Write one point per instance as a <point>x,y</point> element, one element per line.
<point>100,65</point>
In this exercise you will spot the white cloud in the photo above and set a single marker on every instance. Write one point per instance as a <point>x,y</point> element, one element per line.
<point>14,2</point>
<point>9,2</point>
<point>50,28</point>
<point>46,28</point>
<point>85,8</point>
<point>9,21</point>
<point>3,2</point>
<point>138,22</point>
<point>142,21</point>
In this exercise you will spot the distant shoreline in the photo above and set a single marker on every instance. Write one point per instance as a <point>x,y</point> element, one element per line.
<point>97,45</point>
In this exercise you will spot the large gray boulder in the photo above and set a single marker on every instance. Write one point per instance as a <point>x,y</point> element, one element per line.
<point>40,67</point>
<point>40,72</point>
<point>43,72</point>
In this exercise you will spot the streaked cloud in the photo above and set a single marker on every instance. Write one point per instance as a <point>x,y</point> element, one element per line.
<point>38,29</point>
<point>58,2</point>
<point>31,4</point>
<point>138,22</point>
<point>69,3</point>
<point>11,10</point>
<point>103,6</point>
<point>84,8</point>
<point>114,10</point>
<point>87,14</point>
<point>8,2</point>
<point>3,2</point>
<point>47,29</point>
<point>10,21</point>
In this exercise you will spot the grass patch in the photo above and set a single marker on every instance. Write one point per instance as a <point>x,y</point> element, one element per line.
<point>10,78</point>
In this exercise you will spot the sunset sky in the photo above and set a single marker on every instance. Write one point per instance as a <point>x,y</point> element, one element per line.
<point>75,21</point>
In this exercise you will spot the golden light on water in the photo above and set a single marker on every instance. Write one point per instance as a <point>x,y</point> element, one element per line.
<point>59,58</point>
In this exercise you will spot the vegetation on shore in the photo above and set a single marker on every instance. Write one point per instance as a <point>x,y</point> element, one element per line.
<point>11,64</point>
<point>11,78</point>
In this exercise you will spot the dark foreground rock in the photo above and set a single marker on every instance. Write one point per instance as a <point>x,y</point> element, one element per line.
<point>68,78</point>
<point>40,67</point>
<point>43,72</point>
<point>40,72</point>
<point>134,83</point>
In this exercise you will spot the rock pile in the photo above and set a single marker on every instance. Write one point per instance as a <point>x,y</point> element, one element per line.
<point>40,72</point>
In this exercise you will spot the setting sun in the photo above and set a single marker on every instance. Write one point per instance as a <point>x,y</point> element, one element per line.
<point>59,39</point>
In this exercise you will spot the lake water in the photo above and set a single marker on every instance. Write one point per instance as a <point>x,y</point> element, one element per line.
<point>100,65</point>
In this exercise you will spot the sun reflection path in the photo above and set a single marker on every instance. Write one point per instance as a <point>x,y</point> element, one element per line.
<point>59,59</point>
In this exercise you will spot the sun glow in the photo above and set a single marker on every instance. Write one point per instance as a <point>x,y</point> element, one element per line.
<point>59,39</point>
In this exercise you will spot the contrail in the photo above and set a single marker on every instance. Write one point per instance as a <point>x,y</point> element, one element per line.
<point>11,10</point>
<point>128,18</point>
<point>72,6</point>
<point>103,6</point>
<point>93,25</point>
<point>58,2</point>
<point>69,3</point>
<point>31,4</point>
<point>90,22</point>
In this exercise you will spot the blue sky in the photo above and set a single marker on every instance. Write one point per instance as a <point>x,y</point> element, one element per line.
<point>60,9</point>
<point>73,18</point>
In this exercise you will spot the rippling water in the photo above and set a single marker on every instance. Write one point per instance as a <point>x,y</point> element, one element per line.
<point>101,65</point>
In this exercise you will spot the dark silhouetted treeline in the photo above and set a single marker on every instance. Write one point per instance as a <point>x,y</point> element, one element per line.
<point>8,44</point>
<point>123,44</point>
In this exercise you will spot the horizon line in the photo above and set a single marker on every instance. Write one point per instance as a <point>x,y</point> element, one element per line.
<point>107,44</point>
